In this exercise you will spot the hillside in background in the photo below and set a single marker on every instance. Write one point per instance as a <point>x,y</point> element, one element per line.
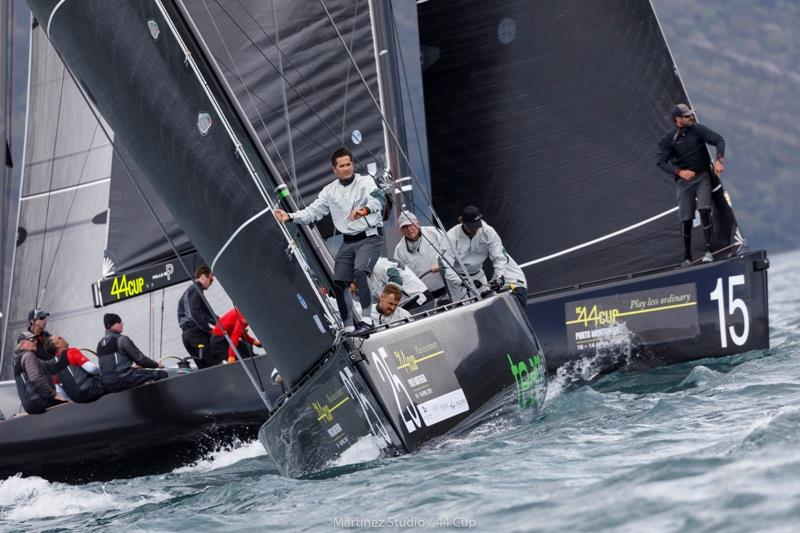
<point>740,62</point>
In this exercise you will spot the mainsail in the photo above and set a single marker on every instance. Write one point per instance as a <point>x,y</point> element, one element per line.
<point>546,115</point>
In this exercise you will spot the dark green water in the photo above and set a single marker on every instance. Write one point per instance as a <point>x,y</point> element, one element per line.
<point>710,446</point>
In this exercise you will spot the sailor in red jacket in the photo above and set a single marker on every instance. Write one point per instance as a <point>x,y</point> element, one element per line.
<point>235,325</point>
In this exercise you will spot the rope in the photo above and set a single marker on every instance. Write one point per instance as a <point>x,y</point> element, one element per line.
<point>52,169</point>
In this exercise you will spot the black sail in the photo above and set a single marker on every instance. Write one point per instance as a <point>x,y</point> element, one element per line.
<point>546,115</point>
<point>297,84</point>
<point>137,74</point>
<point>134,237</point>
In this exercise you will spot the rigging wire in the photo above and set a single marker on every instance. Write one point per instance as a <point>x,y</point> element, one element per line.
<point>347,77</point>
<point>288,82</point>
<point>50,186</point>
<point>289,139</point>
<point>466,278</point>
<point>404,75</point>
<point>69,212</point>
<point>161,334</point>
<point>246,88</point>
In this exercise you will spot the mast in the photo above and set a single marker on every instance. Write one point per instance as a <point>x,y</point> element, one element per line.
<point>4,189</point>
<point>389,95</point>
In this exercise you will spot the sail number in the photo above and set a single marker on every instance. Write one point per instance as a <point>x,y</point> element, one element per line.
<point>734,305</point>
<point>122,287</point>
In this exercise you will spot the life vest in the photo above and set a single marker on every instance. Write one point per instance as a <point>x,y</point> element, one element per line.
<point>112,362</point>
<point>27,393</point>
<point>77,382</point>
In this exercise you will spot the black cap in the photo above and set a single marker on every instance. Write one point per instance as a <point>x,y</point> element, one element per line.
<point>471,217</point>
<point>26,336</point>
<point>682,110</point>
<point>37,313</point>
<point>109,319</point>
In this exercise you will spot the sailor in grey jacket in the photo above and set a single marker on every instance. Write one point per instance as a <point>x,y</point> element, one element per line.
<point>474,241</point>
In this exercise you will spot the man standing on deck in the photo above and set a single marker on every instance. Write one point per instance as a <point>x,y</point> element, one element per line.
<point>420,249</point>
<point>682,154</point>
<point>195,318</point>
<point>475,241</point>
<point>355,204</point>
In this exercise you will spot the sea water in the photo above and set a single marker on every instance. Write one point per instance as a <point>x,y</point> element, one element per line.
<point>708,446</point>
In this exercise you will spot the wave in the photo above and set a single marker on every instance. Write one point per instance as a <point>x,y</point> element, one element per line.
<point>230,455</point>
<point>30,498</point>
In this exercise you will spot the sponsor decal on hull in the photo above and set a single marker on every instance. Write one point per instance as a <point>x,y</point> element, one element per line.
<point>651,316</point>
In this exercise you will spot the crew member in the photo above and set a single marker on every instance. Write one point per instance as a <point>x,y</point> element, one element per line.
<point>32,376</point>
<point>683,154</point>
<point>475,241</point>
<point>235,325</point>
<point>194,317</point>
<point>387,270</point>
<point>355,204</point>
<point>80,380</point>
<point>37,322</point>
<point>388,307</point>
<point>419,249</point>
<point>117,353</point>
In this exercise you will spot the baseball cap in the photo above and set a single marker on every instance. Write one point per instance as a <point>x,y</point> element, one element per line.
<point>37,313</point>
<point>406,218</point>
<point>471,217</point>
<point>26,336</point>
<point>682,110</point>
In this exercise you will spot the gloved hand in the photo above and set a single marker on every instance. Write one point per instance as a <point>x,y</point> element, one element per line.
<point>497,283</point>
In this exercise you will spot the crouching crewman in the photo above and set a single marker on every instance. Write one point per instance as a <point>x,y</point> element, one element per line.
<point>117,353</point>
<point>34,385</point>
<point>81,378</point>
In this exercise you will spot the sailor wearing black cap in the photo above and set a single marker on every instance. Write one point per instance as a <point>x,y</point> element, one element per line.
<point>117,353</point>
<point>682,154</point>
<point>32,376</point>
<point>475,241</point>
<point>355,204</point>
<point>37,321</point>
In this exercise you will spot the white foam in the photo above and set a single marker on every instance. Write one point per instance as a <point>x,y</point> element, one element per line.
<point>365,449</point>
<point>26,498</point>
<point>226,457</point>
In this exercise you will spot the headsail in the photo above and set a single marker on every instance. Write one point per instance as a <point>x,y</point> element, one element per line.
<point>150,78</point>
<point>546,115</point>
<point>64,187</point>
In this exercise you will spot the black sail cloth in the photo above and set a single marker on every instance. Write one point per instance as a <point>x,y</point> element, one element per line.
<point>151,98</point>
<point>547,116</point>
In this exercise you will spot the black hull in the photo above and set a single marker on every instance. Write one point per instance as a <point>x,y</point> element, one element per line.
<point>407,385</point>
<point>668,317</point>
<point>150,429</point>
